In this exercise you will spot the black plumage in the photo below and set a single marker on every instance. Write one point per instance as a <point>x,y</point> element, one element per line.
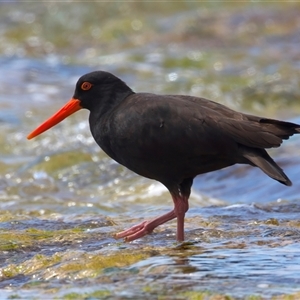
<point>172,138</point>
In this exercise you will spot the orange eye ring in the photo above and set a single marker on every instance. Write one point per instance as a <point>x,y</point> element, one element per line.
<point>86,86</point>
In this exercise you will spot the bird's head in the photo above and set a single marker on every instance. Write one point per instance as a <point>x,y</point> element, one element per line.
<point>91,89</point>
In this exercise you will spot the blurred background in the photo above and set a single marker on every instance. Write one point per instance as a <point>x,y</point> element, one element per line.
<point>244,55</point>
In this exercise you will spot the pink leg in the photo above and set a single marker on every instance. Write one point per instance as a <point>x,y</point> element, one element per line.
<point>181,205</point>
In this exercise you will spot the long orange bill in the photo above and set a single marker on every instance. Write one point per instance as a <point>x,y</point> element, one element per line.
<point>70,108</point>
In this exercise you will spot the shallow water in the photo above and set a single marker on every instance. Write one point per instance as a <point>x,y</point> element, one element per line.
<point>62,198</point>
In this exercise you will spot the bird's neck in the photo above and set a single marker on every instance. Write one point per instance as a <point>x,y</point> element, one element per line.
<point>99,118</point>
<point>110,100</point>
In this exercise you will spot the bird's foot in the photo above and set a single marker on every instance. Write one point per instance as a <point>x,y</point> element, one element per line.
<point>144,228</point>
<point>135,232</point>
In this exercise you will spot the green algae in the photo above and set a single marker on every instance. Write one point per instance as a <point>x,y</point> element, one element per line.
<point>272,221</point>
<point>6,215</point>
<point>12,240</point>
<point>187,62</point>
<point>96,264</point>
<point>295,296</point>
<point>54,163</point>
<point>188,295</point>
<point>73,264</point>
<point>29,266</point>
<point>99,294</point>
<point>14,296</point>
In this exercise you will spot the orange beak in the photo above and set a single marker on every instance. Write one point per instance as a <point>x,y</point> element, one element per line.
<point>70,108</point>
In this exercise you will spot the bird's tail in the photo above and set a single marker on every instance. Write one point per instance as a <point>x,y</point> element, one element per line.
<point>261,159</point>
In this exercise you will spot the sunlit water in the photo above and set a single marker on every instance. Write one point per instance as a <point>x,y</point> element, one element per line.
<point>62,198</point>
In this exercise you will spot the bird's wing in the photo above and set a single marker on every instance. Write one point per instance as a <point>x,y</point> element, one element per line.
<point>245,129</point>
<point>177,123</point>
<point>169,125</point>
<point>249,133</point>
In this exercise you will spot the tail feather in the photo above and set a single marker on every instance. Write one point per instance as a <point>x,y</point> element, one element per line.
<point>256,132</point>
<point>261,159</point>
<point>282,129</point>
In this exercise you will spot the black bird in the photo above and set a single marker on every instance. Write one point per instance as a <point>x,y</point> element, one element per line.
<point>171,138</point>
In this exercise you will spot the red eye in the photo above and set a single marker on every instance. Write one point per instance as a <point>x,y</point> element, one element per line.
<point>86,86</point>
